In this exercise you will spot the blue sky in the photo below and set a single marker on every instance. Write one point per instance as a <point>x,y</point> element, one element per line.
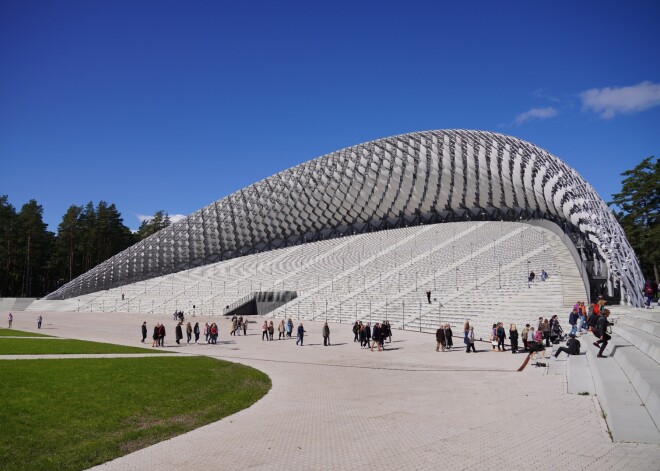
<point>174,104</point>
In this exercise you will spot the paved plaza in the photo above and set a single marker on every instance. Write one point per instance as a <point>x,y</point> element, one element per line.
<point>343,407</point>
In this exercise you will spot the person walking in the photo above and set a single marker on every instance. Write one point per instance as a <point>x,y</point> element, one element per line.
<point>573,320</point>
<point>513,338</point>
<point>501,336</point>
<point>144,329</point>
<point>155,336</point>
<point>178,333</point>
<point>428,296</point>
<point>196,331</point>
<point>449,337</point>
<point>301,334</point>
<point>525,333</point>
<point>440,338</point>
<point>289,327</point>
<point>271,330</point>
<point>39,319</point>
<point>545,330</point>
<point>493,336</point>
<point>10,319</point>
<point>245,323</point>
<point>378,338</point>
<point>161,335</point>
<point>539,346</point>
<point>264,331</point>
<point>214,333</point>
<point>207,332</point>
<point>470,345</point>
<point>356,331</point>
<point>281,329</point>
<point>188,332</point>
<point>326,334</point>
<point>234,325</point>
<point>582,317</point>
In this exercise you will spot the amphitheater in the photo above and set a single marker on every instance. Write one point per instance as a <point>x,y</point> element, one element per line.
<point>365,232</point>
<point>475,271</point>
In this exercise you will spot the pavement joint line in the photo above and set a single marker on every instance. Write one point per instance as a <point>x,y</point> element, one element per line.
<point>34,338</point>
<point>69,356</point>
<point>369,367</point>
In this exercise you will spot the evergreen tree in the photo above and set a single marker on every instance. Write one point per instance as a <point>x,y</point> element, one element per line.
<point>34,244</point>
<point>638,205</point>
<point>67,258</point>
<point>87,240</point>
<point>148,227</point>
<point>9,280</point>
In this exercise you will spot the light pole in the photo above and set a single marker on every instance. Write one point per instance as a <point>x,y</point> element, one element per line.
<point>528,285</point>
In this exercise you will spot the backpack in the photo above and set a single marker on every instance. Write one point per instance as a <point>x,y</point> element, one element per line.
<point>593,322</point>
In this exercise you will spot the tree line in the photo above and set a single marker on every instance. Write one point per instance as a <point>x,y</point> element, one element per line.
<point>637,208</point>
<point>36,261</point>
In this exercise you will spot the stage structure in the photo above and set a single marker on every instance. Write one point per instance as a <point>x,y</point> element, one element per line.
<point>406,180</point>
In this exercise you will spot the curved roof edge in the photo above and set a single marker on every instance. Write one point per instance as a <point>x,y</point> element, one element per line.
<point>409,179</point>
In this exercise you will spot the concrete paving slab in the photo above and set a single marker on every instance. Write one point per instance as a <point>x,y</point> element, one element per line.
<point>409,407</point>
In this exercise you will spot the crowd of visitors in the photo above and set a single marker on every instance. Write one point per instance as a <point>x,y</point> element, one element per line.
<point>532,339</point>
<point>372,337</point>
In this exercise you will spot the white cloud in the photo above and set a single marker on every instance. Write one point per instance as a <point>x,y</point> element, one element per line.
<point>610,101</point>
<point>536,113</point>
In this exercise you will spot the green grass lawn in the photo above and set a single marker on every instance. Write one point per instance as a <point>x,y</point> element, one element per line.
<point>19,333</point>
<point>10,346</point>
<point>73,414</point>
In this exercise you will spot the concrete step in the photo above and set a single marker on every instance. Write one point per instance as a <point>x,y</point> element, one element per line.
<point>647,343</point>
<point>642,371</point>
<point>578,374</point>
<point>648,326</point>
<point>626,414</point>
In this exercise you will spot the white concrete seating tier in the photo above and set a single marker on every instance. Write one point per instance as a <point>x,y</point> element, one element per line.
<point>628,381</point>
<point>476,270</point>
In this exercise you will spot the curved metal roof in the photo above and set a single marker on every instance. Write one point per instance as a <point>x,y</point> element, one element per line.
<point>421,177</point>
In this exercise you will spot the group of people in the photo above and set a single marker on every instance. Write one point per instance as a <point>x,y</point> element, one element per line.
<point>535,339</point>
<point>238,324</point>
<point>285,329</point>
<point>372,337</point>
<point>158,336</point>
<point>10,320</point>
<point>444,338</point>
